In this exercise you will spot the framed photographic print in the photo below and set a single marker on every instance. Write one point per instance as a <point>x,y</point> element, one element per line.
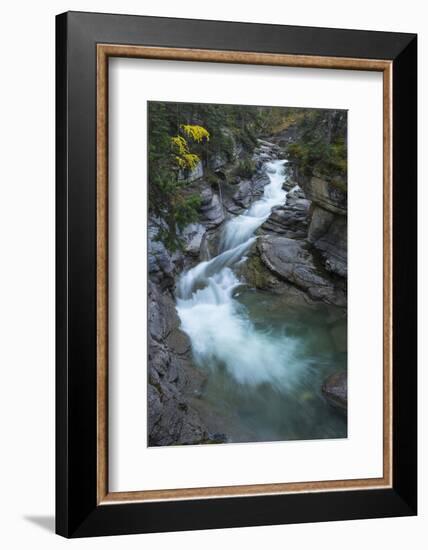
<point>236,274</point>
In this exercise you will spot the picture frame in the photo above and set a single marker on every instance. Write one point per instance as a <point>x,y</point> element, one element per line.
<point>84,44</point>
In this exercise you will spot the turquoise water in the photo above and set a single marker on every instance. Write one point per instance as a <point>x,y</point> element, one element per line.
<point>271,411</point>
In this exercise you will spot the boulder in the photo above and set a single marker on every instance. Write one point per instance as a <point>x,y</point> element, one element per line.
<point>293,262</point>
<point>335,390</point>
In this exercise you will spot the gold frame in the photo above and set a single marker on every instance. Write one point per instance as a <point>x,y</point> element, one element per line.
<point>104,51</point>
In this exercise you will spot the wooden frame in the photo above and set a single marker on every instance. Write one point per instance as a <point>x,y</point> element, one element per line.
<point>83,500</point>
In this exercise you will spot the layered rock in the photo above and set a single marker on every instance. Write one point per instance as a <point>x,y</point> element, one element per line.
<point>328,221</point>
<point>172,420</point>
<point>293,262</point>
<point>192,236</point>
<point>289,220</point>
<point>162,264</point>
<point>328,233</point>
<point>173,381</point>
<point>211,210</point>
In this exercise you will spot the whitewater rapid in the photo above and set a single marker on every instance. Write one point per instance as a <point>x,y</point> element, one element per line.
<point>217,324</point>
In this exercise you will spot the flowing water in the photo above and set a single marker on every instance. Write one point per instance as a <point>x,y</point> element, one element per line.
<point>266,360</point>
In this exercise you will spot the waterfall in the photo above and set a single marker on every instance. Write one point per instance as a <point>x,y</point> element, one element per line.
<point>216,323</point>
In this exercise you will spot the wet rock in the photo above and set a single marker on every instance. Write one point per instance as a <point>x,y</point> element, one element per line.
<point>292,261</point>
<point>295,194</point>
<point>210,244</point>
<point>335,390</point>
<point>265,152</point>
<point>218,438</point>
<point>258,184</point>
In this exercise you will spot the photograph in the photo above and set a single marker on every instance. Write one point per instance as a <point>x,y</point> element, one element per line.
<point>212,275</point>
<point>247,273</point>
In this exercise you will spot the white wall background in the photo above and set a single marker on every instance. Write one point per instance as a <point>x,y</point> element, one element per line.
<point>27,272</point>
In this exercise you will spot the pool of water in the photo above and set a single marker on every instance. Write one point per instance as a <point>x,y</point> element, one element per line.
<point>270,410</point>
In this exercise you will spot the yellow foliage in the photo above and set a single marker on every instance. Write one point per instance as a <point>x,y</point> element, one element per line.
<point>191,160</point>
<point>180,145</point>
<point>183,157</point>
<point>197,133</point>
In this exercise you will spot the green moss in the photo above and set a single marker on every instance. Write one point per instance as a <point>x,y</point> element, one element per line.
<point>256,273</point>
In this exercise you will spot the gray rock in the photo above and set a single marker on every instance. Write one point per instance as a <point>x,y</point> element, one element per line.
<point>210,244</point>
<point>211,212</point>
<point>192,175</point>
<point>192,236</point>
<point>290,221</point>
<point>328,233</point>
<point>217,161</point>
<point>162,264</point>
<point>172,377</point>
<point>258,183</point>
<point>243,196</point>
<point>292,261</point>
<point>335,390</point>
<point>331,195</point>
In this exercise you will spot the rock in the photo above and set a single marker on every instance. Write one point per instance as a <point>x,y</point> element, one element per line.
<point>211,211</point>
<point>218,438</point>
<point>210,244</point>
<point>217,160</point>
<point>258,183</point>
<point>295,194</point>
<point>192,236</point>
<point>268,146</point>
<point>192,175</point>
<point>288,184</point>
<point>264,152</point>
<point>172,377</point>
<point>257,275</point>
<point>206,196</point>
<point>292,261</point>
<point>328,233</point>
<point>290,221</point>
<point>162,264</point>
<point>243,196</point>
<point>331,195</point>
<point>328,223</point>
<point>335,390</point>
